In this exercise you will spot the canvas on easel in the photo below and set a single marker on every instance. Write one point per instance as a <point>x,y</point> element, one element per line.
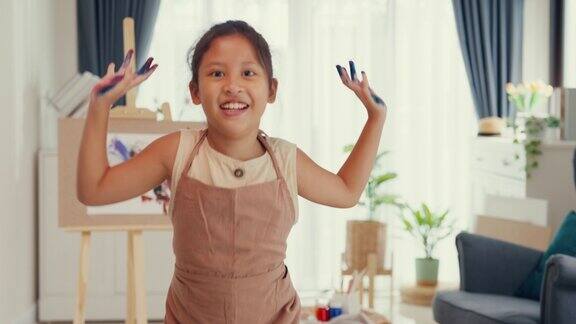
<point>126,137</point>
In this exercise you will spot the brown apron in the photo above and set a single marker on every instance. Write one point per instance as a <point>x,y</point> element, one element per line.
<point>230,246</point>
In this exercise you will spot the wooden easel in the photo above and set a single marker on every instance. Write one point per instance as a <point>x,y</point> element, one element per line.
<point>136,290</point>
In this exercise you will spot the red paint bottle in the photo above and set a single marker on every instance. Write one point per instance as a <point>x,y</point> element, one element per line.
<point>323,314</point>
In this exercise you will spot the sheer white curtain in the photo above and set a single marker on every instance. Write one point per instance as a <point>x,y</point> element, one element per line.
<point>410,53</point>
<point>432,121</point>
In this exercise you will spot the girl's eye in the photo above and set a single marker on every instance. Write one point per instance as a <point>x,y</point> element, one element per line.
<point>220,74</point>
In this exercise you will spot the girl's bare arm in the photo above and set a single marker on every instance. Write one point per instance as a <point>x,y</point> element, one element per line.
<point>344,189</point>
<point>97,182</point>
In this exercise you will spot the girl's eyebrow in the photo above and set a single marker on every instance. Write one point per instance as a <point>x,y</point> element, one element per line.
<point>221,64</point>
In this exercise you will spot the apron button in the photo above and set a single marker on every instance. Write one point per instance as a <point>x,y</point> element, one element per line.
<point>238,173</point>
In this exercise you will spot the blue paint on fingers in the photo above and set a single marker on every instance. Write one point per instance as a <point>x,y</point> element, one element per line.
<point>352,70</point>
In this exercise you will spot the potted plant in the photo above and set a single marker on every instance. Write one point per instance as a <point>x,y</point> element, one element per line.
<point>428,228</point>
<point>526,96</point>
<point>536,128</point>
<point>364,237</point>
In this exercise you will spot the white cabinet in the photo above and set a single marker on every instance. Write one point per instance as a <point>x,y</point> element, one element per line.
<point>496,171</point>
<point>59,253</point>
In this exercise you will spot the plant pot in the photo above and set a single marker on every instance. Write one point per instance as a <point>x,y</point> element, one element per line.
<point>363,238</point>
<point>551,134</point>
<point>426,271</point>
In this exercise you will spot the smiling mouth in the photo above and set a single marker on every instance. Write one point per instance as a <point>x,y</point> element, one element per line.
<point>234,106</point>
<point>232,109</point>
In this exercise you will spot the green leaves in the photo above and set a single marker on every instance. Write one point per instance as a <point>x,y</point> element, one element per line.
<point>372,198</point>
<point>427,226</point>
<point>532,150</point>
<point>552,122</point>
<point>348,148</point>
<point>388,199</point>
<point>381,154</point>
<point>384,177</point>
<point>407,225</point>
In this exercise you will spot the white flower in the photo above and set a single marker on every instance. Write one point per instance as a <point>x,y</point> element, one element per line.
<point>510,89</point>
<point>521,89</point>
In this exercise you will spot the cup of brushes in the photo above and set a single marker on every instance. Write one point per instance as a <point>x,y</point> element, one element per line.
<point>341,302</point>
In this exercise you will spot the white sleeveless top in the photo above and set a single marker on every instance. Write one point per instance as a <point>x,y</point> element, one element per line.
<point>214,168</point>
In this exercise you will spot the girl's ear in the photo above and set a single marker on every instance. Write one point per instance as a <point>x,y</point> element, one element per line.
<point>272,91</point>
<point>194,93</point>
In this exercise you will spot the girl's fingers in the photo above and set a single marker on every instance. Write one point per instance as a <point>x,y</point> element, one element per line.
<point>345,77</point>
<point>110,83</point>
<point>126,61</point>
<point>364,86</point>
<point>142,77</point>
<point>117,90</point>
<point>352,85</point>
<point>340,71</point>
<point>111,78</point>
<point>129,75</point>
<point>364,80</point>
<point>110,71</point>
<point>146,67</point>
<point>127,78</point>
<point>352,70</point>
<point>361,88</point>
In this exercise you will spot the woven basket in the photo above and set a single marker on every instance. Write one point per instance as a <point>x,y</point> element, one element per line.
<point>363,238</point>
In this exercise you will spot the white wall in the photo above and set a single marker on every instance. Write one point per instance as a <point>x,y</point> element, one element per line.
<point>536,40</point>
<point>38,54</point>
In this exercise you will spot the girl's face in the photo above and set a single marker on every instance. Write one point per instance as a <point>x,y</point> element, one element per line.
<point>233,86</point>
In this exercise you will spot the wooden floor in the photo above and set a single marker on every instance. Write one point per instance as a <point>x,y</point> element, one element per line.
<point>402,314</point>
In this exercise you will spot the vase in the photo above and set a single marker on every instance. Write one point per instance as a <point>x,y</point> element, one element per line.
<point>551,134</point>
<point>427,271</point>
<point>516,124</point>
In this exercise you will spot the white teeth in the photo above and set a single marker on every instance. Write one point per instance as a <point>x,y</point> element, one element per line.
<point>234,105</point>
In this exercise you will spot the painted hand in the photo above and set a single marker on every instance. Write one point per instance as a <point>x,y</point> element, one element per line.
<point>372,102</point>
<point>114,85</point>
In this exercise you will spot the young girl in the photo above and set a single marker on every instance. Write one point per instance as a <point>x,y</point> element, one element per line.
<point>234,189</point>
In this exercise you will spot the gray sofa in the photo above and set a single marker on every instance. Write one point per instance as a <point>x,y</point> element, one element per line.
<point>491,271</point>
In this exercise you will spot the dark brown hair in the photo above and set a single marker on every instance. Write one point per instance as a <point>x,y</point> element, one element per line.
<point>227,28</point>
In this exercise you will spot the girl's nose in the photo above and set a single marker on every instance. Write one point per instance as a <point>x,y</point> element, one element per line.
<point>232,87</point>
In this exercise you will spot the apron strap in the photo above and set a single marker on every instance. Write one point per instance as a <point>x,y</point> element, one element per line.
<point>261,137</point>
<point>194,152</point>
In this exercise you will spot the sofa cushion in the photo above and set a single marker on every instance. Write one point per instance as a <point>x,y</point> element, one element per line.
<point>455,306</point>
<point>564,242</point>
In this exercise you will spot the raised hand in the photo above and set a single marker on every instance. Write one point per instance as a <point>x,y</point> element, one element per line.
<point>371,100</point>
<point>114,85</point>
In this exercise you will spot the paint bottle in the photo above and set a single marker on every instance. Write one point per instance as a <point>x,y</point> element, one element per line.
<point>323,313</point>
<point>335,304</point>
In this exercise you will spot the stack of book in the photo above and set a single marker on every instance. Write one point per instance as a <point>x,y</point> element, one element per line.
<point>73,98</point>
